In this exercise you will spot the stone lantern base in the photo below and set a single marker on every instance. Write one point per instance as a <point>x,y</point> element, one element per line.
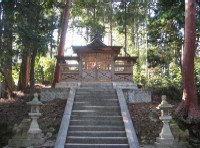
<point>30,140</point>
<point>18,142</point>
<point>163,143</point>
<point>36,139</point>
<point>23,139</point>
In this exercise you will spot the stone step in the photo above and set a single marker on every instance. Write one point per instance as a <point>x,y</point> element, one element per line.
<point>77,145</point>
<point>99,112</point>
<point>92,99</point>
<point>95,91</point>
<point>100,103</point>
<point>96,122</point>
<point>97,140</point>
<point>85,91</point>
<point>97,96</point>
<point>97,133</point>
<point>96,85</point>
<point>95,100</point>
<point>105,92</point>
<point>85,117</point>
<point>95,107</point>
<point>95,128</point>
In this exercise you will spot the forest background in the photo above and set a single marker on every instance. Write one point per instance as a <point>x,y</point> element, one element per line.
<point>154,31</point>
<point>151,30</point>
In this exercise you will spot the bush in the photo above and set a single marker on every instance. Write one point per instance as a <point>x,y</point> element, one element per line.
<point>44,69</point>
<point>169,87</point>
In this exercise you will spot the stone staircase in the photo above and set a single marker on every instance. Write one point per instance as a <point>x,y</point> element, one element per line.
<point>96,120</point>
<point>96,116</point>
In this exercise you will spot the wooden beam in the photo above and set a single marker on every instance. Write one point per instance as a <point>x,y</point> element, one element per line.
<point>67,58</point>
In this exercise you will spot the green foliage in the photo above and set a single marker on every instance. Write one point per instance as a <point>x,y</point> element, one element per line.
<point>169,87</point>
<point>44,69</point>
<point>15,72</point>
<point>140,75</point>
<point>34,33</point>
<point>156,57</point>
<point>165,33</point>
<point>1,78</point>
<point>162,24</point>
<point>90,16</point>
<point>197,76</point>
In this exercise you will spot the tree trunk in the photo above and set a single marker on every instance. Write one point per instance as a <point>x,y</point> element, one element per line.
<point>7,40</point>
<point>24,75</point>
<point>188,109</point>
<point>32,71</point>
<point>62,42</point>
<point>8,82</point>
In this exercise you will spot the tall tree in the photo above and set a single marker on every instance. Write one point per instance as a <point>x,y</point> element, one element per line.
<point>62,41</point>
<point>90,17</point>
<point>7,22</point>
<point>188,108</point>
<point>34,35</point>
<point>168,39</point>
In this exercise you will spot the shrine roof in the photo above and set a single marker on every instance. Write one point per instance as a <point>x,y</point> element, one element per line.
<point>95,45</point>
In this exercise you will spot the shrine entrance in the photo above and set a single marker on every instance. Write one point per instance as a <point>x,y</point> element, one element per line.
<point>96,62</point>
<point>96,67</point>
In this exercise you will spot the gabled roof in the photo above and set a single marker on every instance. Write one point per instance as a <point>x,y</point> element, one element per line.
<point>96,45</point>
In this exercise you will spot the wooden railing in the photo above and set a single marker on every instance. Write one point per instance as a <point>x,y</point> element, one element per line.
<point>69,72</point>
<point>69,68</point>
<point>123,70</point>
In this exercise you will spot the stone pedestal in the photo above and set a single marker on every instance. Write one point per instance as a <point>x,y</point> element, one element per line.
<point>36,139</point>
<point>165,140</point>
<point>180,137</point>
<point>20,139</point>
<point>34,127</point>
<point>26,141</point>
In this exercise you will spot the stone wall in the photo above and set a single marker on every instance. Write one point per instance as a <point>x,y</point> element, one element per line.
<point>131,93</point>
<point>48,94</point>
<point>137,95</point>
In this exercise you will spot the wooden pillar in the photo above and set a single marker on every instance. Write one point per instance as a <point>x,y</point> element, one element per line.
<point>61,70</point>
<point>112,67</point>
<point>80,64</point>
<point>96,70</point>
<point>131,69</point>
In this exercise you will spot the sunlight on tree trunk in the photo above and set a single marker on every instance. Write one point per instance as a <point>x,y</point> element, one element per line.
<point>188,108</point>
<point>62,42</point>
<point>24,75</point>
<point>8,81</point>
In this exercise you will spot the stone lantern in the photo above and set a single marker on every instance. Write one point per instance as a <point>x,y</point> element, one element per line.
<point>34,114</point>
<point>36,137</point>
<point>166,138</point>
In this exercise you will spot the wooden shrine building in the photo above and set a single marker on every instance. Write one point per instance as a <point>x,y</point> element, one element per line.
<point>96,62</point>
